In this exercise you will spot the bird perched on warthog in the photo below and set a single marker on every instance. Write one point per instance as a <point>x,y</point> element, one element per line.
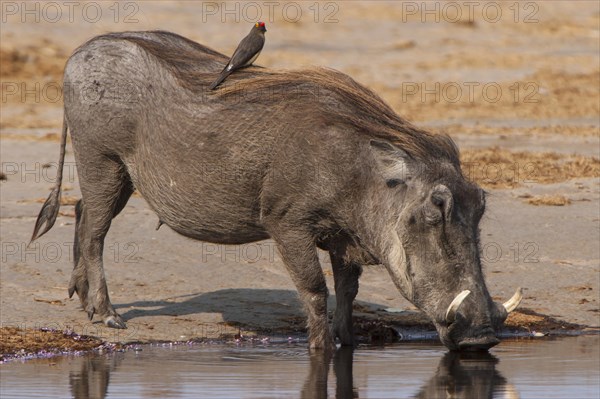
<point>245,54</point>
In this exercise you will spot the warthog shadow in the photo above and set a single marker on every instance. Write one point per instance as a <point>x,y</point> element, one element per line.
<point>262,309</point>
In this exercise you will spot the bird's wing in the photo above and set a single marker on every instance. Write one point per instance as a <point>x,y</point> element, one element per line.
<point>246,51</point>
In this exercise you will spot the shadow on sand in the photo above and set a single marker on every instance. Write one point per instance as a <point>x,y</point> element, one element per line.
<point>260,309</point>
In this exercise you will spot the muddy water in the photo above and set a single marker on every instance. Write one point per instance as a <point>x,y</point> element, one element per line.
<point>562,368</point>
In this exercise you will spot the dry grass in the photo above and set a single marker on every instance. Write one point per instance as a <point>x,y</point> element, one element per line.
<point>506,131</point>
<point>64,200</point>
<point>551,200</point>
<point>543,95</point>
<point>68,200</point>
<point>45,60</point>
<point>529,320</point>
<point>50,136</point>
<point>499,168</point>
<point>13,340</point>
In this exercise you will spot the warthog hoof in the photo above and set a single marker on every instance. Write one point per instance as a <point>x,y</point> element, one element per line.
<point>112,320</point>
<point>115,321</point>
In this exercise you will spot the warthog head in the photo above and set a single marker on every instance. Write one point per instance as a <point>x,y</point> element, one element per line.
<point>431,246</point>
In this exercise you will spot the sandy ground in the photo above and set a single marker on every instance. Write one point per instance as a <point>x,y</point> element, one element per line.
<point>518,92</point>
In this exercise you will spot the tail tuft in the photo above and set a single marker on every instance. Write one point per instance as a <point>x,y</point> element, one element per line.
<point>47,215</point>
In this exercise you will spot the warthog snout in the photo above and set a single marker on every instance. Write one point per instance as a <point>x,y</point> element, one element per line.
<point>464,332</point>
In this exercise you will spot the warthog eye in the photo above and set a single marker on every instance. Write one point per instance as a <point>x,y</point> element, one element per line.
<point>394,182</point>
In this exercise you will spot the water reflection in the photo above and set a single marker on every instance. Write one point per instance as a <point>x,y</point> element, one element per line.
<point>467,375</point>
<point>92,379</point>
<point>458,375</point>
<point>315,385</point>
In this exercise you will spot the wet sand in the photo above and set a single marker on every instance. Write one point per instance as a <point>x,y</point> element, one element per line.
<point>534,145</point>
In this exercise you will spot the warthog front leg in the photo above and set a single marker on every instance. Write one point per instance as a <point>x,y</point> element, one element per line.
<point>299,254</point>
<point>345,273</point>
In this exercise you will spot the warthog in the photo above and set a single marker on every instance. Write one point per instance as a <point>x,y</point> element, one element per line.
<point>309,158</point>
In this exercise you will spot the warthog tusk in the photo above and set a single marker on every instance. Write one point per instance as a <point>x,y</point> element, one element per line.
<point>451,312</point>
<point>513,302</point>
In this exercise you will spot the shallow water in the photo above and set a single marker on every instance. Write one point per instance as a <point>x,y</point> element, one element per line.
<point>547,368</point>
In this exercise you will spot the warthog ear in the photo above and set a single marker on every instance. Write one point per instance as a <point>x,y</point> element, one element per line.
<point>440,204</point>
<point>392,162</point>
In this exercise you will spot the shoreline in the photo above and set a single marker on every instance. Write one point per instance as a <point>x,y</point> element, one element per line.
<point>28,344</point>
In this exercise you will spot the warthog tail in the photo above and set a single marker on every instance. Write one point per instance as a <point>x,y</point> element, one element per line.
<point>49,211</point>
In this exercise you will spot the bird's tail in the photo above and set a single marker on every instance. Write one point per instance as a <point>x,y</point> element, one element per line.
<point>220,79</point>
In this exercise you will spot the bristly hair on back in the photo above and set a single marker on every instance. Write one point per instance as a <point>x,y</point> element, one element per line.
<point>346,102</point>
<point>339,98</point>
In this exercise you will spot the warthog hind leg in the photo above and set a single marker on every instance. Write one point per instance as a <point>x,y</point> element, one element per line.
<point>105,194</point>
<point>79,283</point>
